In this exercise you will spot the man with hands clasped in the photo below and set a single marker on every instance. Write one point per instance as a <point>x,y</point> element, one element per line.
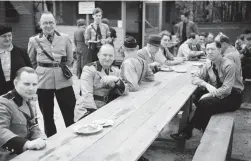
<point>100,83</point>
<point>220,90</point>
<point>19,130</point>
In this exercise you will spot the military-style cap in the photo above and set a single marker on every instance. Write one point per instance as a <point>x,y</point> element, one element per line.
<point>154,40</point>
<point>130,42</point>
<point>5,29</point>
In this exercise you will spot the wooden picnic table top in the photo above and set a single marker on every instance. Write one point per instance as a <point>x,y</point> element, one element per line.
<point>138,119</point>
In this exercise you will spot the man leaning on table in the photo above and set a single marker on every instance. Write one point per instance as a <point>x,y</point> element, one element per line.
<point>134,69</point>
<point>19,130</point>
<point>100,83</point>
<point>220,90</point>
<point>191,48</point>
<point>150,53</point>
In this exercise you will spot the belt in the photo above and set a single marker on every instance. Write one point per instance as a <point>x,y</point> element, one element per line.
<point>56,64</point>
<point>101,98</point>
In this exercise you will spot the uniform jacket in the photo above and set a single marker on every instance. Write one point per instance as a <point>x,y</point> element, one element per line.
<point>91,85</point>
<point>51,77</point>
<point>19,58</point>
<point>190,28</point>
<point>134,70</point>
<point>14,129</point>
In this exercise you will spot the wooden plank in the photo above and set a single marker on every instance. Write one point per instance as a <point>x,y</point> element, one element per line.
<point>72,148</point>
<point>216,139</point>
<point>111,142</point>
<point>147,90</point>
<point>137,143</point>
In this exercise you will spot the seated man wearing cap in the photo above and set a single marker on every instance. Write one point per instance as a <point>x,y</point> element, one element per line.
<point>134,69</point>
<point>100,83</point>
<point>149,53</point>
<point>191,48</point>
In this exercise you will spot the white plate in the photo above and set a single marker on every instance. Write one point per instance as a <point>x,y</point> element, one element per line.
<point>180,70</point>
<point>104,122</point>
<point>88,129</point>
<point>166,69</point>
<point>198,64</point>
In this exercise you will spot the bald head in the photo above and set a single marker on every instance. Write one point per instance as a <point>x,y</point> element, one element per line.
<point>106,55</point>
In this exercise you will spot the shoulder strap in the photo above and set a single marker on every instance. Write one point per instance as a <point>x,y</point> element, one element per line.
<point>95,30</point>
<point>45,52</point>
<point>143,66</point>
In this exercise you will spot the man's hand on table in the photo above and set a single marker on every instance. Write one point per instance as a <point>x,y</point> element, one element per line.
<point>211,89</point>
<point>36,144</point>
<point>109,80</point>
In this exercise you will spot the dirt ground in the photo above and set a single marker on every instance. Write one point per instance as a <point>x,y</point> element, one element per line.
<point>169,151</point>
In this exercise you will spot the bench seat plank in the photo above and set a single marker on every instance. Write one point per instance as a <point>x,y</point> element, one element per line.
<point>216,138</point>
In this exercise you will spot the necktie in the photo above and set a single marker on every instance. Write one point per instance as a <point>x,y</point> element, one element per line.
<point>219,84</point>
<point>49,38</point>
<point>98,36</point>
<point>107,71</point>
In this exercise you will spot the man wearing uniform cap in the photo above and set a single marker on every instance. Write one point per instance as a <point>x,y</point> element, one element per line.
<point>134,69</point>
<point>12,58</point>
<point>19,130</point>
<point>100,83</point>
<point>148,53</point>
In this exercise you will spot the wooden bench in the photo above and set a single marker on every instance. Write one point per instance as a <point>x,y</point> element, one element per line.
<point>216,142</point>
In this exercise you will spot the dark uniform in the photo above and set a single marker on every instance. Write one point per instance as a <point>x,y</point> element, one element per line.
<point>18,124</point>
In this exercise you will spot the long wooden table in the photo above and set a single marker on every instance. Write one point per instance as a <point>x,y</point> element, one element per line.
<point>138,119</point>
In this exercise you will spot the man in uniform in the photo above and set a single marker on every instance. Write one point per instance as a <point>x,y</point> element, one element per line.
<point>134,69</point>
<point>97,34</point>
<point>19,130</point>
<point>50,75</point>
<point>220,90</point>
<point>100,83</point>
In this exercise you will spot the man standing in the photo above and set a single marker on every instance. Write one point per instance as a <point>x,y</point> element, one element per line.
<point>100,83</point>
<point>220,90</point>
<point>134,69</point>
<point>51,78</point>
<point>185,28</point>
<point>149,53</point>
<point>97,34</point>
<point>83,57</point>
<point>12,58</point>
<point>19,130</point>
<point>113,33</point>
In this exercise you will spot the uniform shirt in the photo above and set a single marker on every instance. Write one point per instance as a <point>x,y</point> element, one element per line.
<point>91,85</point>
<point>17,122</point>
<point>228,73</point>
<point>134,70</point>
<point>6,62</point>
<point>90,33</point>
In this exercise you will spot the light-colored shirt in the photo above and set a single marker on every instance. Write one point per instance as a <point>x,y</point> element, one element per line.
<point>186,50</point>
<point>134,70</point>
<point>6,62</point>
<point>90,33</point>
<point>228,73</point>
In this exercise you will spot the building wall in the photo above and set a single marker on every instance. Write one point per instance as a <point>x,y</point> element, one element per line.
<point>23,28</point>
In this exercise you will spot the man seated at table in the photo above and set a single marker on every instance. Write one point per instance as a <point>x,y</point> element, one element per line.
<point>100,83</point>
<point>202,41</point>
<point>191,49</point>
<point>134,69</point>
<point>19,130</point>
<point>228,51</point>
<point>149,52</point>
<point>220,90</point>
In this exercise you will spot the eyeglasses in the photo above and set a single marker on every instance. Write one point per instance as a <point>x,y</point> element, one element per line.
<point>49,23</point>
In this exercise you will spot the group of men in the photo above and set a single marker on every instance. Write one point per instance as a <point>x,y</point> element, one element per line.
<point>219,80</point>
